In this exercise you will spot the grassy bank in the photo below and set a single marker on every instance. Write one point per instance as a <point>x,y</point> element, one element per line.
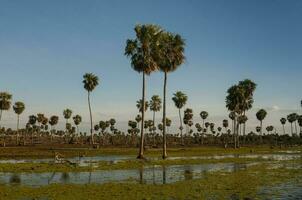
<point>214,185</point>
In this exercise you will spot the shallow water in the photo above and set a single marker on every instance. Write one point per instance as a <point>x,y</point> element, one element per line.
<point>85,161</point>
<point>149,175</point>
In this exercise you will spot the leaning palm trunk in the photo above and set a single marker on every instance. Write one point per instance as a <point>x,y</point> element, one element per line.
<point>141,146</point>
<point>164,119</point>
<point>91,131</point>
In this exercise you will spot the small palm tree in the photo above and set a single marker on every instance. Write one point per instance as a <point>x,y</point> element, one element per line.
<point>261,114</point>
<point>180,100</point>
<point>155,106</point>
<point>225,124</point>
<point>143,53</point>
<point>19,107</point>
<point>90,82</point>
<point>5,102</point>
<point>283,121</point>
<point>140,106</point>
<point>291,119</point>
<point>53,121</point>
<point>77,119</point>
<point>204,115</point>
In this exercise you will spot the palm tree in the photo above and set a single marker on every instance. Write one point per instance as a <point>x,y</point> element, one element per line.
<point>261,114</point>
<point>143,52</point>
<point>300,124</point>
<point>180,100</point>
<point>90,82</point>
<point>77,119</point>
<point>225,124</point>
<point>19,107</point>
<point>67,114</point>
<point>283,121</point>
<point>138,119</point>
<point>232,116</point>
<point>249,88</point>
<point>171,56</point>
<point>204,115</point>
<point>53,121</point>
<point>234,102</point>
<point>155,106</point>
<point>291,118</point>
<point>5,102</point>
<point>32,121</point>
<point>140,106</point>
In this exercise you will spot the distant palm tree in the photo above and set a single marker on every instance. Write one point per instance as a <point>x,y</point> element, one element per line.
<point>53,121</point>
<point>77,119</point>
<point>283,121</point>
<point>90,82</point>
<point>225,124</point>
<point>138,119</point>
<point>171,56</point>
<point>67,114</point>
<point>139,105</point>
<point>5,102</point>
<point>155,106</point>
<point>180,100</point>
<point>291,119</point>
<point>19,107</point>
<point>32,121</point>
<point>204,115</point>
<point>261,114</point>
<point>143,52</point>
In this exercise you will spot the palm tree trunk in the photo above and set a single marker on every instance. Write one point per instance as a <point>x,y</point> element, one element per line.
<point>234,133</point>
<point>164,119</point>
<point>182,141</point>
<point>261,131</point>
<point>291,128</point>
<point>141,146</point>
<point>283,129</point>
<point>154,128</point>
<point>296,127</point>
<point>17,138</point>
<point>0,116</point>
<point>91,131</point>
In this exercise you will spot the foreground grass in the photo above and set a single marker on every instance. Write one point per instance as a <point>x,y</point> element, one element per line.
<point>70,151</point>
<point>214,185</point>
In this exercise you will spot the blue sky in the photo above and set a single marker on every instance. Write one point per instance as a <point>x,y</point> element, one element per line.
<point>47,46</point>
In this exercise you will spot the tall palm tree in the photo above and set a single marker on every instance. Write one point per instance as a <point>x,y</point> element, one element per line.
<point>171,56</point>
<point>19,107</point>
<point>232,116</point>
<point>155,106</point>
<point>5,102</point>
<point>283,121</point>
<point>143,53</point>
<point>90,82</point>
<point>300,124</point>
<point>32,121</point>
<point>234,102</point>
<point>261,114</point>
<point>249,88</point>
<point>204,115</point>
<point>180,100</point>
<point>67,114</point>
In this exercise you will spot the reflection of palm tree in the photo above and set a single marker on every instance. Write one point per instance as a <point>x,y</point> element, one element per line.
<point>51,177</point>
<point>164,175</point>
<point>141,175</point>
<point>188,174</point>
<point>65,177</point>
<point>15,179</point>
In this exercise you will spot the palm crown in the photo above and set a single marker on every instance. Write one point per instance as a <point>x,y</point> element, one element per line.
<point>90,81</point>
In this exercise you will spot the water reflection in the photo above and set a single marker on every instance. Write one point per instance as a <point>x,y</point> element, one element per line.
<point>143,175</point>
<point>15,179</point>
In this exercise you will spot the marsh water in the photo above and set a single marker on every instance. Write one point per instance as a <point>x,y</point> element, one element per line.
<point>152,174</point>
